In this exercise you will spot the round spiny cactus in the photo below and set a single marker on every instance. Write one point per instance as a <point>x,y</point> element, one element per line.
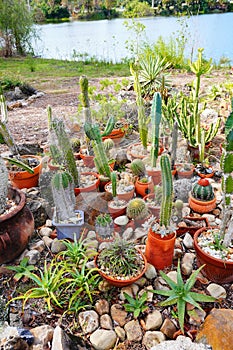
<point>202,190</point>
<point>138,167</point>
<point>137,209</point>
<point>108,144</point>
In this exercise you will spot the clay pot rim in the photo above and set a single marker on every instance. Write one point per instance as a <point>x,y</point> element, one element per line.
<point>201,202</point>
<point>18,173</point>
<point>12,191</point>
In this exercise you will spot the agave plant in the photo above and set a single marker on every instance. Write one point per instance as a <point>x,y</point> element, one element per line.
<point>180,293</point>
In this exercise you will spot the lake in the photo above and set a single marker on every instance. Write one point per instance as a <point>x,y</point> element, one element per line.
<point>106,39</point>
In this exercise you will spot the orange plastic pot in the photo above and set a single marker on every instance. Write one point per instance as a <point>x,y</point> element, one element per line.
<point>184,174</point>
<point>118,282</point>
<point>216,270</point>
<point>159,251</point>
<point>116,211</point>
<point>23,179</point>
<point>201,206</point>
<point>144,188</point>
<point>90,188</point>
<point>125,196</point>
<point>116,135</point>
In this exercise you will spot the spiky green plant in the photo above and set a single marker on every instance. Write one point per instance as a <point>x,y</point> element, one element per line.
<point>156,115</point>
<point>137,209</point>
<point>167,191</point>
<point>136,305</point>
<point>83,83</point>
<point>203,190</point>
<point>137,167</point>
<point>181,293</point>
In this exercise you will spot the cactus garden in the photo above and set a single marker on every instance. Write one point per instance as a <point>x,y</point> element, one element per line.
<point>57,282</point>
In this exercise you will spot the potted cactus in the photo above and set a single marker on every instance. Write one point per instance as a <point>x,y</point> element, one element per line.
<point>202,199</point>
<point>16,220</point>
<point>104,227</point>
<point>19,175</point>
<point>143,183</point>
<point>162,233</point>
<point>214,245</point>
<point>116,207</point>
<point>138,211</point>
<point>66,219</point>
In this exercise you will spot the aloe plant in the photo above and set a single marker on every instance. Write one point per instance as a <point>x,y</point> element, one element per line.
<point>181,293</point>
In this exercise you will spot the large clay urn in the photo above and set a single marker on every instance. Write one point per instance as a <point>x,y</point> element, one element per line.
<point>16,227</point>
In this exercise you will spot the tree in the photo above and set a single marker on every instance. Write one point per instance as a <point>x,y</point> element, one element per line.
<point>16,27</point>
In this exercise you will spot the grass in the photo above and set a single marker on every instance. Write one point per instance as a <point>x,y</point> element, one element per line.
<point>37,70</point>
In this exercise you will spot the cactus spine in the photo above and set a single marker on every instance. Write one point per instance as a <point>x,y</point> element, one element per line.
<point>167,191</point>
<point>138,167</point>
<point>156,114</point>
<point>227,180</point>
<point>202,190</point>
<point>137,209</point>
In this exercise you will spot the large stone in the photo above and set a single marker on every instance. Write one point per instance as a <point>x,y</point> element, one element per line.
<point>153,320</point>
<point>133,331</point>
<point>168,328</point>
<point>103,339</point>
<point>152,338</point>
<point>43,335</point>
<point>102,306</point>
<point>89,321</point>
<point>181,343</point>
<point>217,329</point>
<point>119,315</point>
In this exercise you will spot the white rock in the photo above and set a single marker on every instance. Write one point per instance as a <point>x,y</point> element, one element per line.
<point>121,220</point>
<point>103,339</point>
<point>217,291</point>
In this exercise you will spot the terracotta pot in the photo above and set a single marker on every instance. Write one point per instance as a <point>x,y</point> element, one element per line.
<point>116,211</point>
<point>204,176</point>
<point>142,188</point>
<point>51,166</point>
<point>181,230</point>
<point>23,179</point>
<point>116,135</point>
<point>134,155</point>
<point>159,251</point>
<point>184,174</point>
<point>91,188</point>
<point>88,161</point>
<point>125,196</point>
<point>154,210</point>
<point>121,283</point>
<point>16,228</point>
<point>201,206</point>
<point>155,176</point>
<point>216,270</point>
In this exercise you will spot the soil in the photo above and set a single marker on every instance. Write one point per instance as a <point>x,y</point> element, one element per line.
<point>28,120</point>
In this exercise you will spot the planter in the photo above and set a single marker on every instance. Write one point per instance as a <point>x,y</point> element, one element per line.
<point>216,270</point>
<point>88,161</point>
<point>144,188</point>
<point>23,179</point>
<point>155,176</point>
<point>126,195</point>
<point>68,230</point>
<point>118,282</point>
<point>16,227</point>
<point>155,210</point>
<point>117,135</point>
<point>51,166</point>
<point>193,224</point>
<point>159,251</point>
<point>201,206</point>
<point>115,210</point>
<point>136,151</point>
<point>204,172</point>
<point>92,187</point>
<point>183,173</point>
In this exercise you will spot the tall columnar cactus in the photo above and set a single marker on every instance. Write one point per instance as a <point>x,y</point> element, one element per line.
<point>114,184</point>
<point>202,190</point>
<point>94,134</point>
<point>83,83</point>
<point>3,185</point>
<point>156,114</point>
<point>142,118</point>
<point>65,147</point>
<point>63,195</point>
<point>227,180</point>
<point>167,191</point>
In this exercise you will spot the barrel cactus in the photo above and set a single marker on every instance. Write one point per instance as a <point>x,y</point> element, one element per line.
<point>138,167</point>
<point>137,209</point>
<point>202,190</point>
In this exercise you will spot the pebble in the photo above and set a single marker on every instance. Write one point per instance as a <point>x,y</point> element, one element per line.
<point>89,321</point>
<point>133,331</point>
<point>187,263</point>
<point>217,291</point>
<point>103,339</point>
<point>153,320</point>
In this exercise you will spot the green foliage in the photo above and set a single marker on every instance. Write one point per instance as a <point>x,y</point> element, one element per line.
<point>138,167</point>
<point>103,220</point>
<point>120,258</point>
<point>16,27</point>
<point>180,293</point>
<point>136,305</point>
<point>22,270</point>
<point>204,193</point>
<point>167,191</point>
<point>136,8</point>
<point>156,115</point>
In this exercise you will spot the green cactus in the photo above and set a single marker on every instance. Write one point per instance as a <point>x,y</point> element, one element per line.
<point>138,167</point>
<point>156,115</point>
<point>142,118</point>
<point>64,145</point>
<point>137,209</point>
<point>83,83</point>
<point>114,184</point>
<point>227,179</point>
<point>202,190</point>
<point>108,145</point>
<point>62,185</point>
<point>167,191</point>
<point>101,159</point>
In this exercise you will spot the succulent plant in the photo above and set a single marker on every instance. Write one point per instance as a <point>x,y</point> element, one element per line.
<point>83,83</point>
<point>3,185</point>
<point>138,167</point>
<point>203,190</point>
<point>104,225</point>
<point>137,209</point>
<point>167,191</point>
<point>156,115</point>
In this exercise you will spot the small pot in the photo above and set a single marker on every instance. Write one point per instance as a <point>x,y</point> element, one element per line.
<point>125,196</point>
<point>133,155</point>
<point>184,174</point>
<point>155,175</point>
<point>90,188</point>
<point>160,250</point>
<point>154,210</point>
<point>116,211</point>
<point>216,270</point>
<point>88,161</point>
<point>144,188</point>
<point>201,206</point>
<point>23,179</point>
